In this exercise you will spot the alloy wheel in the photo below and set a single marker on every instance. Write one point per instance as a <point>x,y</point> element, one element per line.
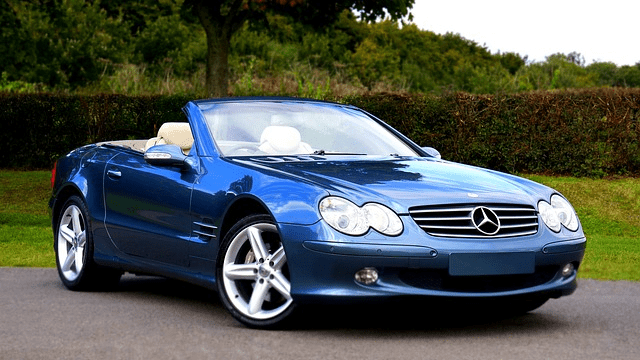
<point>72,238</point>
<point>255,273</point>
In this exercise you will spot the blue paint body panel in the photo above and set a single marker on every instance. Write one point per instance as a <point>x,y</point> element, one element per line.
<point>150,218</point>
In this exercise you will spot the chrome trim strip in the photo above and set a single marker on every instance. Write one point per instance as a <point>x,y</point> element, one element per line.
<point>440,210</point>
<point>518,226</point>
<point>510,209</point>
<point>485,237</point>
<point>204,234</point>
<point>442,219</point>
<point>447,227</point>
<point>517,217</point>
<point>210,226</point>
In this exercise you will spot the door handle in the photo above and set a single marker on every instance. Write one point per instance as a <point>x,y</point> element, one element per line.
<point>114,174</point>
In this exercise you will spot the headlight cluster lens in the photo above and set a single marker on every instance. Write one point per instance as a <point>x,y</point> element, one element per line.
<point>557,213</point>
<point>349,218</point>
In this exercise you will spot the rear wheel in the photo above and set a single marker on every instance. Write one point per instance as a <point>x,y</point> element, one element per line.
<point>73,245</point>
<point>253,276</point>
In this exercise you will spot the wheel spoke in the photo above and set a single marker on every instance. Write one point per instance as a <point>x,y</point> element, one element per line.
<point>67,234</point>
<point>79,259</point>
<point>257,243</point>
<point>75,217</point>
<point>278,258</point>
<point>241,271</point>
<point>258,296</point>
<point>82,239</point>
<point>281,284</point>
<point>71,257</point>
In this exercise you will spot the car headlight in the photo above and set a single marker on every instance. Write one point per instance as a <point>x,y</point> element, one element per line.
<point>558,213</point>
<point>349,218</point>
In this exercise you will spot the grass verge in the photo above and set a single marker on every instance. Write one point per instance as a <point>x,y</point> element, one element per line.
<point>608,209</point>
<point>26,238</point>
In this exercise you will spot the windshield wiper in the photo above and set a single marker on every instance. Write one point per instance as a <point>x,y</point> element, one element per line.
<point>322,152</point>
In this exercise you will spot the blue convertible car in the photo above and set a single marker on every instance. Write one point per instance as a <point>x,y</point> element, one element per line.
<point>278,202</point>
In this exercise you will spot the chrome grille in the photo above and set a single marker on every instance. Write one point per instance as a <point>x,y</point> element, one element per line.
<point>457,220</point>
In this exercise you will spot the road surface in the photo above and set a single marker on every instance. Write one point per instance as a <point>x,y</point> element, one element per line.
<point>154,318</point>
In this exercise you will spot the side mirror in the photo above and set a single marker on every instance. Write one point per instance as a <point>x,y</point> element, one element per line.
<point>432,152</point>
<point>165,155</point>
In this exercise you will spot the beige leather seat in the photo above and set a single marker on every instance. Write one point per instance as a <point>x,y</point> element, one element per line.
<point>283,140</point>
<point>173,133</point>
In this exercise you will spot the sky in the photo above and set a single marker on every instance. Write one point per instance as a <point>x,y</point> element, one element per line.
<point>602,31</point>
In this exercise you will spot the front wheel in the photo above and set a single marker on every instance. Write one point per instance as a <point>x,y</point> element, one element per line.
<point>253,276</point>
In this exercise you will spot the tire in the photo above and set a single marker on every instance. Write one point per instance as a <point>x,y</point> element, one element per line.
<point>73,245</point>
<point>252,274</point>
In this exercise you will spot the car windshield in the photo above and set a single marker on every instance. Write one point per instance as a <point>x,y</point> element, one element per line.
<point>296,128</point>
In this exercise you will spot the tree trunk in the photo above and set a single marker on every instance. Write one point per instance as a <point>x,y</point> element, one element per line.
<point>217,76</point>
<point>218,31</point>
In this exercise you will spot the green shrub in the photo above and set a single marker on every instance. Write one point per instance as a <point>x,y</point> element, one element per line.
<point>582,133</point>
<point>591,133</point>
<point>39,128</point>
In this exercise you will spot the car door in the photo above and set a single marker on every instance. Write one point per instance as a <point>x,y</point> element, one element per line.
<point>148,208</point>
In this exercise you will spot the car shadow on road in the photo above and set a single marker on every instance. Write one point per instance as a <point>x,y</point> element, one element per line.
<point>410,315</point>
<point>166,288</point>
<point>443,317</point>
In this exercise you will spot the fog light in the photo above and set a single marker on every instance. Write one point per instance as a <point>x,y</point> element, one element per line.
<point>567,270</point>
<point>367,276</point>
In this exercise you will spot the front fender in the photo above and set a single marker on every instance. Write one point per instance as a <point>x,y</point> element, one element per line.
<point>292,202</point>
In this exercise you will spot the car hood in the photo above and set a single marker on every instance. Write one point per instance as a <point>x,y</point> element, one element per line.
<point>406,182</point>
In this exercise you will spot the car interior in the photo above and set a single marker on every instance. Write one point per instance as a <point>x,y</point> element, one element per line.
<point>173,133</point>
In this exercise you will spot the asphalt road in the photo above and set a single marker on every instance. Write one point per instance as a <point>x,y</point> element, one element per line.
<point>153,318</point>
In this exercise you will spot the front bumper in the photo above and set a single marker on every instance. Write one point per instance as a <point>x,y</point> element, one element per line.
<point>323,270</point>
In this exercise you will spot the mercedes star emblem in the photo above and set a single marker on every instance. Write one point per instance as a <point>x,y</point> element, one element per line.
<point>485,220</point>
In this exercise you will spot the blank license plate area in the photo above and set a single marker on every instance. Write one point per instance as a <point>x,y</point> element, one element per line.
<point>492,264</point>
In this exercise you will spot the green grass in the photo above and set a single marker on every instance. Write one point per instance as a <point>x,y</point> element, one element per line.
<point>26,238</point>
<point>608,209</point>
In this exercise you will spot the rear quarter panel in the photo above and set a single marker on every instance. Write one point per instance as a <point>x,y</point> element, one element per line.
<point>81,173</point>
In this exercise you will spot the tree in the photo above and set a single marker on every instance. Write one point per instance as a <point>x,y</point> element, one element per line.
<point>605,73</point>
<point>222,18</point>
<point>58,43</point>
<point>512,61</point>
<point>628,76</point>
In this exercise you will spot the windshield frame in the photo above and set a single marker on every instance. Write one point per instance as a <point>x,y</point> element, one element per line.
<point>321,128</point>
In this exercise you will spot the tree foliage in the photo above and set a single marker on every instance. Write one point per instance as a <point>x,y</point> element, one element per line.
<point>59,43</point>
<point>160,46</point>
<point>222,19</point>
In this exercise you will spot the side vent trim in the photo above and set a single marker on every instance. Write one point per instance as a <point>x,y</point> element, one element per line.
<point>205,231</point>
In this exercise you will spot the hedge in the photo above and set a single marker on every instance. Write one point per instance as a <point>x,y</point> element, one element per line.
<point>39,128</point>
<point>591,133</point>
<point>582,133</point>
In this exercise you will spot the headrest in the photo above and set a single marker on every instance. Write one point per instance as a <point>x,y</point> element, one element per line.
<point>177,134</point>
<point>283,139</point>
